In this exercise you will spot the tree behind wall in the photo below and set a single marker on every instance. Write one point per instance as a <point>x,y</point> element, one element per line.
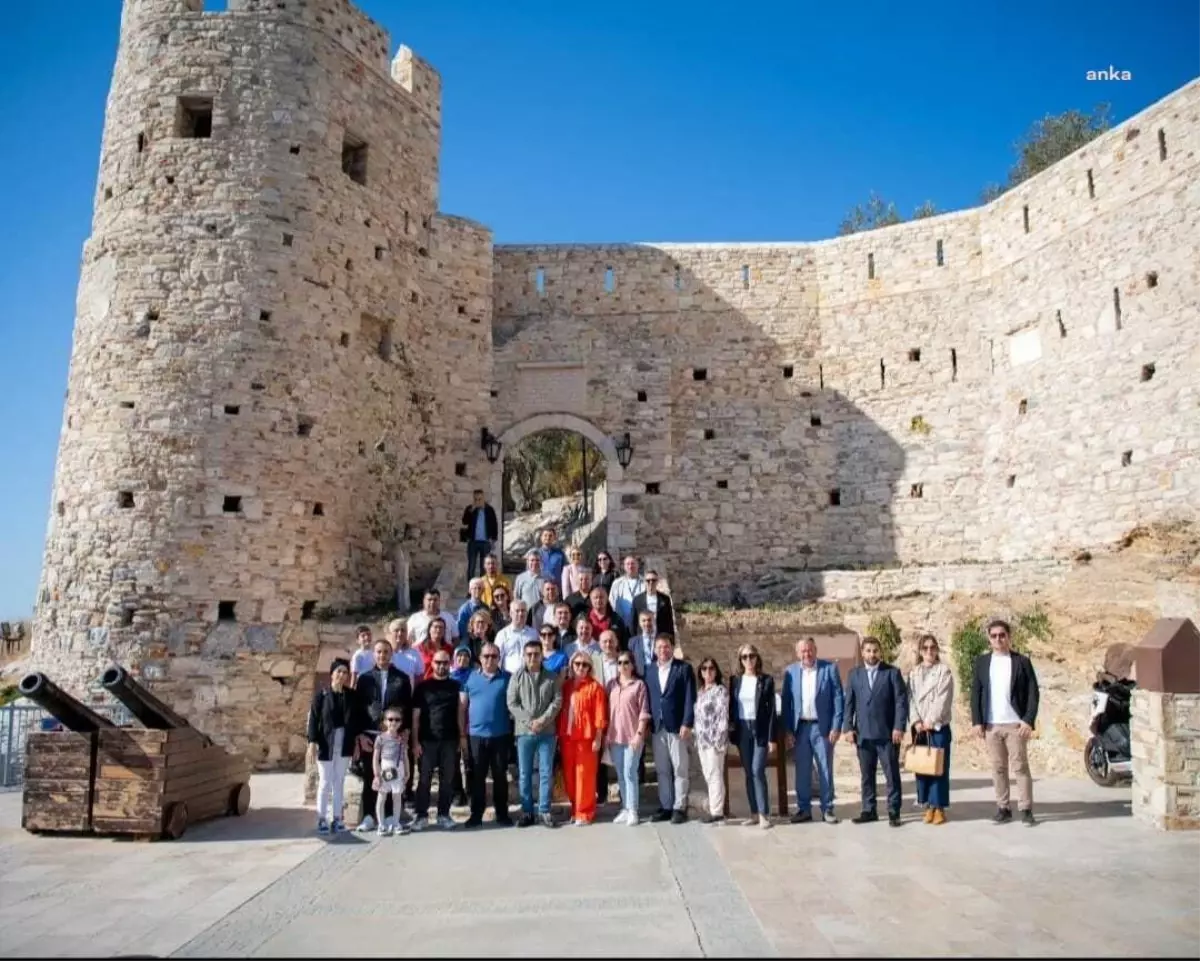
<point>1048,141</point>
<point>547,464</point>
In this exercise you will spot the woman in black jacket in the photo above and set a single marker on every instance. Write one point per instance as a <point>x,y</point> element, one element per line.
<point>752,722</point>
<point>331,734</point>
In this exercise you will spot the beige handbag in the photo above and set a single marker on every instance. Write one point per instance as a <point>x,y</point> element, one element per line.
<point>923,759</point>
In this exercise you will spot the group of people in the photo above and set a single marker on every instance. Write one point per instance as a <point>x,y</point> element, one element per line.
<point>574,671</point>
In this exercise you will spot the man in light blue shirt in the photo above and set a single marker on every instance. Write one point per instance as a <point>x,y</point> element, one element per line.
<point>552,557</point>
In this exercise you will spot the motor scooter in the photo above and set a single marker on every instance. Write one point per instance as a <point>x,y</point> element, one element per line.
<point>1107,755</point>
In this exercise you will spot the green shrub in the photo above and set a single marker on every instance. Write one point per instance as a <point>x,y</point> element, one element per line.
<point>884,629</point>
<point>970,641</point>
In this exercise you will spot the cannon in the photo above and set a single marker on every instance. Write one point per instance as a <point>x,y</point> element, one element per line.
<point>156,780</point>
<point>60,766</point>
<point>150,781</point>
<point>55,701</point>
<point>143,705</point>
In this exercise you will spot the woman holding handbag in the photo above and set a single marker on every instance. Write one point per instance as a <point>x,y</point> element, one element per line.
<point>931,700</point>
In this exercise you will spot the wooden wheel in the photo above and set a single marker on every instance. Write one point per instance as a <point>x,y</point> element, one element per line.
<point>239,800</point>
<point>175,820</point>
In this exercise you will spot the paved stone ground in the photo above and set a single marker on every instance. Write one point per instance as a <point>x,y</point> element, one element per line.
<point>1088,880</point>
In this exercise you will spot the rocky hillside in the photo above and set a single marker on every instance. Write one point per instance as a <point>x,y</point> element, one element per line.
<point>564,514</point>
<point>1105,605</point>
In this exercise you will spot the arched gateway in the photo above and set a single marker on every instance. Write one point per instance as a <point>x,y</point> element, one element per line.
<point>621,523</point>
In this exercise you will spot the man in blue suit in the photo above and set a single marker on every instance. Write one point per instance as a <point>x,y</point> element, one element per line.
<point>876,714</point>
<point>812,716</point>
<point>671,686</point>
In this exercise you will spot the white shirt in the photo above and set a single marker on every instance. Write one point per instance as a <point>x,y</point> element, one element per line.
<point>418,627</point>
<point>611,669</point>
<point>362,661</point>
<point>590,648</point>
<point>652,602</point>
<point>511,642</point>
<point>808,693</point>
<point>663,671</point>
<point>746,697</point>
<point>1000,709</point>
<point>410,662</point>
<point>871,672</point>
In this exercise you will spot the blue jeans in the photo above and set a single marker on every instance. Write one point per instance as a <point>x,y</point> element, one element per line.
<point>812,745</point>
<point>476,552</point>
<point>543,746</point>
<point>626,761</point>
<point>935,791</point>
<point>754,762</point>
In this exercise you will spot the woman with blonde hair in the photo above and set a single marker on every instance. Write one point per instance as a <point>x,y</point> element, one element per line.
<point>571,582</point>
<point>479,633</point>
<point>931,701</point>
<point>712,736</point>
<point>752,711</point>
<point>581,725</point>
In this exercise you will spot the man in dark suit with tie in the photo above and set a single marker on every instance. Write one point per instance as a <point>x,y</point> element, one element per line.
<point>671,686</point>
<point>876,713</point>
<point>382,688</point>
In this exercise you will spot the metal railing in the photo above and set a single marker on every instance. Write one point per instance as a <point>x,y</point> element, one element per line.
<point>16,723</point>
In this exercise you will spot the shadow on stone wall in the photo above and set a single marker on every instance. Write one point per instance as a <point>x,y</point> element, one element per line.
<point>742,466</point>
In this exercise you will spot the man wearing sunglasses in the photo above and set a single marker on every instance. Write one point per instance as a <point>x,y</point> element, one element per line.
<point>489,730</point>
<point>438,735</point>
<point>534,700</point>
<point>1004,707</point>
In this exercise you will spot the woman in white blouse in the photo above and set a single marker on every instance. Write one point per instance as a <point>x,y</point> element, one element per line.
<point>931,701</point>
<point>752,717</point>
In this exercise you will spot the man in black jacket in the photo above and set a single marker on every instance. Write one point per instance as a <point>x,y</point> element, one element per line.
<point>382,688</point>
<point>479,530</point>
<point>1004,706</point>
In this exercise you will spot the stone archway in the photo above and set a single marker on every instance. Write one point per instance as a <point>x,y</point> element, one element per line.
<point>621,526</point>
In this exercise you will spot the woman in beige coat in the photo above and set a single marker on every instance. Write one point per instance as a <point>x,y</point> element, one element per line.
<point>931,699</point>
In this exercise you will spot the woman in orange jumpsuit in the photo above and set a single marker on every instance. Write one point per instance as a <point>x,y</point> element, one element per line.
<point>581,724</point>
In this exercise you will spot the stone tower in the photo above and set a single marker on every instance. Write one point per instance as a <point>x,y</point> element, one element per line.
<point>257,412</point>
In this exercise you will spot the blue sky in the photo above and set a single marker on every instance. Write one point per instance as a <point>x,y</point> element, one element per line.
<point>664,121</point>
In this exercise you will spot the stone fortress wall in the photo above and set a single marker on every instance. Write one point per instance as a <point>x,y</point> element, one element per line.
<point>1014,381</point>
<point>266,385</point>
<point>284,355</point>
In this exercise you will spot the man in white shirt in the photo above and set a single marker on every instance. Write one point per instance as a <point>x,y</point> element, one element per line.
<point>1004,706</point>
<point>812,707</point>
<point>624,590</point>
<point>418,624</point>
<point>512,639</point>
<point>404,656</point>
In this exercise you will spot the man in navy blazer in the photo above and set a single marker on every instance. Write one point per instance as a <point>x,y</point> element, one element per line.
<point>671,686</point>
<point>812,707</point>
<point>876,714</point>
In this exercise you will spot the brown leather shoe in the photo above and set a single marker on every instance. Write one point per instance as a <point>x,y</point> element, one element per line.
<point>928,815</point>
<point>939,816</point>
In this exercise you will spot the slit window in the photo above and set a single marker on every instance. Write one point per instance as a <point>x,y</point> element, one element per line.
<point>699,373</point>
<point>1147,372</point>
<point>539,281</point>
<point>1127,458</point>
<point>354,158</point>
<point>318,509</point>
<point>835,497</point>
<point>231,504</point>
<point>1025,217</point>
<point>941,257</point>
<point>194,118</point>
<point>709,433</point>
<point>678,279</point>
<point>1117,306</point>
<point>1091,186</point>
<point>233,409</point>
<point>1062,328</point>
<point>1162,144</point>
<point>1152,279</point>
<point>307,609</point>
<point>870,266</point>
<point>125,499</point>
<point>953,364</point>
<point>652,488</point>
<point>226,610</point>
<point>745,276</point>
<point>914,354</point>
<point>304,427</point>
<point>641,396</point>
<point>788,372</point>
<point>141,143</point>
<point>814,420</point>
<point>610,282</point>
<point>916,490</point>
<point>722,485</point>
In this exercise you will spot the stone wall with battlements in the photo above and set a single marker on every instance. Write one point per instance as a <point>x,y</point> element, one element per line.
<point>280,356</point>
<point>1015,381</point>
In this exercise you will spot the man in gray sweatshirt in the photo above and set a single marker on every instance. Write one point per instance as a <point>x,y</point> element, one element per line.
<point>534,700</point>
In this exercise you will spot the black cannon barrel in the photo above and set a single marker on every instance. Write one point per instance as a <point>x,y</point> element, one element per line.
<point>51,698</point>
<point>143,705</point>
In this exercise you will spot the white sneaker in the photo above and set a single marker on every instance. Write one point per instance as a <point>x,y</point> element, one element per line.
<point>750,822</point>
<point>764,821</point>
<point>631,821</point>
<point>446,823</point>
<point>368,824</point>
<point>621,817</point>
<point>390,824</point>
<point>382,831</point>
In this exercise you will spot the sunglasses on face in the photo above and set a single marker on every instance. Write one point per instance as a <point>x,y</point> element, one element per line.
<point>651,580</point>
<point>582,665</point>
<point>749,657</point>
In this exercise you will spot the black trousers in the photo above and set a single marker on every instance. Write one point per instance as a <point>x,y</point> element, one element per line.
<point>489,755</point>
<point>440,756</point>
<point>601,783</point>
<point>462,774</point>
<point>887,755</point>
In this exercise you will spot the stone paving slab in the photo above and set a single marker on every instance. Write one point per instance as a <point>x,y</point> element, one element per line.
<point>1087,881</point>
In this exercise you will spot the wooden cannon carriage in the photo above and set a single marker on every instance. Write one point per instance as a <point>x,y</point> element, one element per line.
<point>150,782</point>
